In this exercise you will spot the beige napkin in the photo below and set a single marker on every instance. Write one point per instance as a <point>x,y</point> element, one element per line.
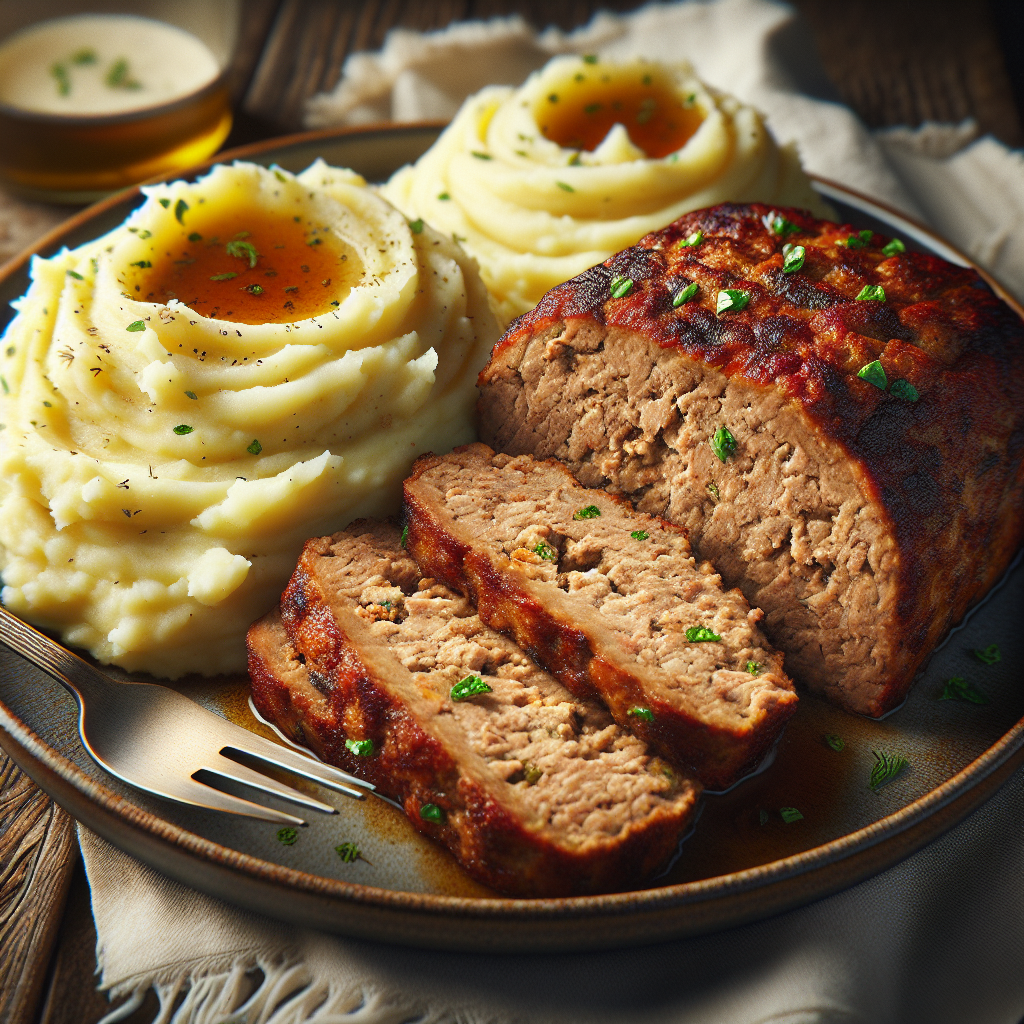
<point>937,939</point>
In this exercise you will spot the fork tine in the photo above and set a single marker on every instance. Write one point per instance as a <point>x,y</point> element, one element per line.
<point>228,769</point>
<point>198,794</point>
<point>301,764</point>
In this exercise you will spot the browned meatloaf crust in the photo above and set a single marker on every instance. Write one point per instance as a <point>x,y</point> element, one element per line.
<point>540,793</point>
<point>863,521</point>
<point>608,600</point>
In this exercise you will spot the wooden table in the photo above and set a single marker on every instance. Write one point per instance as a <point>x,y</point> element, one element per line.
<point>892,61</point>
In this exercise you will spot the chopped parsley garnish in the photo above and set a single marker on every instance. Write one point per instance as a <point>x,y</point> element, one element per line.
<point>138,325</point>
<point>431,812</point>
<point>119,76</point>
<point>84,56</point>
<point>691,240</point>
<point>621,286</point>
<point>361,748</point>
<point>778,225</point>
<point>887,767</point>
<point>893,247</point>
<point>753,667</point>
<point>988,655</point>
<point>959,688</point>
<point>732,300</point>
<point>444,196</point>
<point>60,73</point>
<point>792,258</point>
<point>565,186</point>
<point>183,428</point>
<point>723,444</point>
<point>416,226</point>
<point>255,448</point>
<point>405,536</point>
<point>4,386</point>
<point>180,207</point>
<point>531,773</point>
<point>871,293</point>
<point>905,390</point>
<point>837,743</point>
<point>874,373</point>
<point>138,263</point>
<point>242,251</point>
<point>590,58</point>
<point>195,237</point>
<point>348,852</point>
<point>164,203</point>
<point>546,551</point>
<point>192,395</point>
<point>592,108</point>
<point>712,489</point>
<point>685,294</point>
<point>226,277</point>
<point>587,512</point>
<point>482,156</point>
<point>287,836</point>
<point>639,535</point>
<point>78,277</point>
<point>790,814</point>
<point>645,713</point>
<point>702,635</point>
<point>553,97</point>
<point>471,686</point>
<point>253,289</point>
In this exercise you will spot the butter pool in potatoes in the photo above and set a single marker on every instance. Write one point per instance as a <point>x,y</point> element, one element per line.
<point>249,360</point>
<point>588,156</point>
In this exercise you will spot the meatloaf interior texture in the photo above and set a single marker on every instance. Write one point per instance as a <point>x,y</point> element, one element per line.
<point>873,487</point>
<point>536,792</point>
<point>611,601</point>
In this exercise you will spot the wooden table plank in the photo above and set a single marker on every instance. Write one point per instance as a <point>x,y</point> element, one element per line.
<point>37,854</point>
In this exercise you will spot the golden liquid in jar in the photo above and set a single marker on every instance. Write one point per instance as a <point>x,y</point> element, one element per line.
<point>302,269</point>
<point>581,112</point>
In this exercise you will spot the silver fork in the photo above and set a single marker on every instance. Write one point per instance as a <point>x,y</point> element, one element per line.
<point>156,739</point>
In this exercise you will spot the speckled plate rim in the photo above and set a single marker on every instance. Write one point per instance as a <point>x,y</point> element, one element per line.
<point>499,924</point>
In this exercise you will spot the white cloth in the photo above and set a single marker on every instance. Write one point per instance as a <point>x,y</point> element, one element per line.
<point>936,939</point>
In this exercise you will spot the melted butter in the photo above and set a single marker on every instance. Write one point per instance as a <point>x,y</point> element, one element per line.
<point>302,269</point>
<point>581,112</point>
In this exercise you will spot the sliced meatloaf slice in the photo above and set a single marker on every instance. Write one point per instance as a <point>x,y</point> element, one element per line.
<point>608,599</point>
<point>535,791</point>
<point>871,484</point>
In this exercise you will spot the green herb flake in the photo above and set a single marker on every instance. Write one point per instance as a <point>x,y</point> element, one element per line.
<point>195,237</point>
<point>4,386</point>
<point>590,58</point>
<point>621,286</point>
<point>252,289</point>
<point>762,817</point>
<point>180,208</point>
<point>287,836</point>
<point>871,293</point>
<point>192,395</point>
<point>723,444</point>
<point>164,203</point>
<point>431,812</point>
<point>753,667</point>
<point>10,351</point>
<point>790,814</point>
<point>119,76</point>
<point>471,686</point>
<point>84,56</point>
<point>138,263</point>
<point>78,277</point>
<point>255,448</point>
<point>988,655</point>
<point>553,97</point>
<point>712,489</point>
<point>592,108</point>
<point>639,535</point>
<point>905,390</point>
<point>684,295</point>
<point>702,635</point>
<point>348,852</point>
<point>778,225</point>
<point>587,512</point>
<point>565,186</point>
<point>893,247</point>
<point>444,197</point>
<point>546,551</point>
<point>837,743</point>
<point>874,373</point>
<point>959,688</point>
<point>482,156</point>
<point>691,240</point>
<point>59,72</point>
<point>183,428</point>
<point>416,226</point>
<point>645,713</point>
<point>242,251</point>
<point>886,768</point>
<point>854,242</point>
<point>732,300</point>
<point>138,325</point>
<point>531,773</point>
<point>230,276</point>
<point>405,536</point>
<point>361,748</point>
<point>792,258</point>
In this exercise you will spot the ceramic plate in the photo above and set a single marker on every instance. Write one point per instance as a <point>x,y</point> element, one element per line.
<point>744,860</point>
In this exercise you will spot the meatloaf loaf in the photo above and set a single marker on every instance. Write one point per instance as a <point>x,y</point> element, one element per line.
<point>607,599</point>
<point>395,678</point>
<point>838,423</point>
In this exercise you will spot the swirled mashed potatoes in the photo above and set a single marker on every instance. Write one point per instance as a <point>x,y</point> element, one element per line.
<point>248,361</point>
<point>541,182</point>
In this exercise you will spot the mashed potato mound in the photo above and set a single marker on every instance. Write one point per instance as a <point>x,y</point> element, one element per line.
<point>541,182</point>
<point>248,361</point>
